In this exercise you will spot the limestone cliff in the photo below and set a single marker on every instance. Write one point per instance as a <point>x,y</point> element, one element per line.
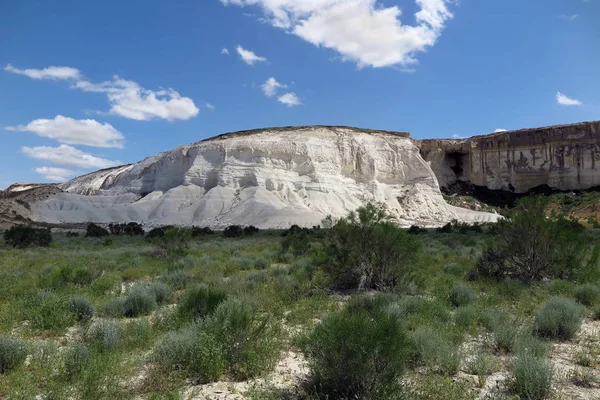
<point>271,178</point>
<point>562,157</point>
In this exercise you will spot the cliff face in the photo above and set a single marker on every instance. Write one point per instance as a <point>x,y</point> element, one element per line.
<point>270,179</point>
<point>562,157</point>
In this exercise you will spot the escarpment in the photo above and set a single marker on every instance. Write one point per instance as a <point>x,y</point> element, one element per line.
<point>555,158</point>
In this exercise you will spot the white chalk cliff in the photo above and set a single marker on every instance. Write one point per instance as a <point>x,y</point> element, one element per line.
<point>271,178</point>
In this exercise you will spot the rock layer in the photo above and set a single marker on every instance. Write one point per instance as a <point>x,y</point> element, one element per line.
<point>562,157</point>
<point>271,178</point>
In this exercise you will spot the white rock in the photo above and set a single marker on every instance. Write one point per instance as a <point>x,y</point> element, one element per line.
<point>270,179</point>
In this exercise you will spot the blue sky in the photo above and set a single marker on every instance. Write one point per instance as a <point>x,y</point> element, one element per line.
<point>86,85</point>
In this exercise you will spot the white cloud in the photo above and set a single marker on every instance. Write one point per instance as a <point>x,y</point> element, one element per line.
<point>248,56</point>
<point>500,130</point>
<point>130,100</point>
<point>54,174</point>
<point>51,72</point>
<point>87,132</point>
<point>225,51</point>
<point>210,106</point>
<point>455,136</point>
<point>289,99</point>
<point>571,17</point>
<point>566,101</point>
<point>271,86</point>
<point>361,31</point>
<point>67,155</point>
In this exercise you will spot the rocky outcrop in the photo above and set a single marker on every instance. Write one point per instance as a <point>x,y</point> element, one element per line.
<point>271,178</point>
<point>562,157</point>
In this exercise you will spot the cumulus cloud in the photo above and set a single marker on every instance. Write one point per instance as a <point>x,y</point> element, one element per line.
<point>225,51</point>
<point>210,106</point>
<point>248,56</point>
<point>67,155</point>
<point>51,72</point>
<point>271,86</point>
<point>566,101</point>
<point>54,174</point>
<point>87,132</point>
<point>500,130</point>
<point>361,31</point>
<point>130,100</point>
<point>289,99</point>
<point>456,136</point>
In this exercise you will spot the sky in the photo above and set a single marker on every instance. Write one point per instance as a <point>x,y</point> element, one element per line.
<point>86,85</point>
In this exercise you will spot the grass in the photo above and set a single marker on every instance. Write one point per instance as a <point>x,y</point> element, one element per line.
<point>117,319</point>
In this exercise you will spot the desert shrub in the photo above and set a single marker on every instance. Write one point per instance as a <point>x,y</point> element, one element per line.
<point>200,301</point>
<point>465,317</point>
<point>363,251</point>
<point>431,349</point>
<point>461,295</point>
<point>115,308</point>
<point>94,230</point>
<point>249,339</point>
<point>299,241</point>
<point>357,353</point>
<point>104,335</point>
<point>82,308</point>
<point>250,261</point>
<point>526,343</point>
<point>12,353</point>
<point>416,230</point>
<point>454,269</point>
<point>560,318</point>
<point>140,300</point>
<point>24,236</point>
<point>445,229</point>
<point>250,230</point>
<point>532,377</point>
<point>482,365</point>
<point>587,294</point>
<point>192,350</point>
<point>503,328</point>
<point>130,229</point>
<point>199,232</point>
<point>157,232</point>
<point>72,234</point>
<point>177,279</point>
<point>174,240</point>
<point>75,360</point>
<point>136,334</point>
<point>529,246</point>
<point>133,274</point>
<point>160,290</point>
<point>46,310</point>
<point>233,231</point>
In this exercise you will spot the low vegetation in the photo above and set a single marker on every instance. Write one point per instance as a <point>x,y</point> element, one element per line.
<point>356,308</point>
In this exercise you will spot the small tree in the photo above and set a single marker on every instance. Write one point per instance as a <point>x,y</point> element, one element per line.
<point>25,236</point>
<point>94,230</point>
<point>366,252</point>
<point>530,246</point>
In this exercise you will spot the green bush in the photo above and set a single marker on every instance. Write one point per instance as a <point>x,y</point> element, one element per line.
<point>24,236</point>
<point>200,301</point>
<point>461,295</point>
<point>431,349</point>
<point>75,360</point>
<point>160,290</point>
<point>532,377</point>
<point>526,343</point>
<point>12,353</point>
<point>465,317</point>
<point>140,300</point>
<point>104,335</point>
<point>357,353</point>
<point>82,308</point>
<point>49,311</point>
<point>133,274</point>
<point>115,308</point>
<point>177,279</point>
<point>94,230</point>
<point>249,339</point>
<point>503,328</point>
<point>529,246</point>
<point>560,318</point>
<point>364,251</point>
<point>233,231</point>
<point>587,294</point>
